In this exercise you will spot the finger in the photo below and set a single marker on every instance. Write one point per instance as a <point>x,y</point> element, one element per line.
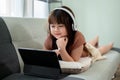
<point>57,52</point>
<point>58,49</point>
<point>66,39</point>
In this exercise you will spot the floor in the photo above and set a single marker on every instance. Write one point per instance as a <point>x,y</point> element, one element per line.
<point>117,75</point>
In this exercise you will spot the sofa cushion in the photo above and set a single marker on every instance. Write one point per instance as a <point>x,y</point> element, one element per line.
<point>26,77</point>
<point>103,69</point>
<point>8,58</point>
<point>27,32</point>
<point>23,77</point>
<point>75,67</point>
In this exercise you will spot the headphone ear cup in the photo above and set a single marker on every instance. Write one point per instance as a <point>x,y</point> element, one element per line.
<point>73,27</point>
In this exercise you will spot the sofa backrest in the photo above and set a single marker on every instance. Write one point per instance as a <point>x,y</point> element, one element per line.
<point>9,63</point>
<point>27,32</point>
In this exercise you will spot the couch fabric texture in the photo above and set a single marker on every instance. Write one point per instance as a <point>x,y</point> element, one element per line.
<point>31,33</point>
<point>9,63</point>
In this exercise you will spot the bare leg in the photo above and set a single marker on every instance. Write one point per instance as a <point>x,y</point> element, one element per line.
<point>94,41</point>
<point>104,49</point>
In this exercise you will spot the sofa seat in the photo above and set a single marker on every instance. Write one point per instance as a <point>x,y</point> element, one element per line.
<point>23,77</point>
<point>26,77</point>
<point>103,69</point>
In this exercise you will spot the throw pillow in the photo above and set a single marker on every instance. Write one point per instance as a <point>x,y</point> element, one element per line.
<point>75,67</point>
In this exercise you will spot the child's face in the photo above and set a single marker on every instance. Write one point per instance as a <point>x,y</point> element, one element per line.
<point>58,30</point>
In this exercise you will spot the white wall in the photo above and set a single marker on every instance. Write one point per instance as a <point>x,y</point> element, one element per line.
<point>97,17</point>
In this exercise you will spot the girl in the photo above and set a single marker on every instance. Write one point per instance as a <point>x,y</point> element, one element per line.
<point>68,43</point>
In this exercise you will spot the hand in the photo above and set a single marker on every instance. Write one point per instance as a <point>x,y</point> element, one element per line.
<point>57,51</point>
<point>62,42</point>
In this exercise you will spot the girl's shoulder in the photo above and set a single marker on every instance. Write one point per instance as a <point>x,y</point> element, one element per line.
<point>79,40</point>
<point>79,37</point>
<point>48,42</point>
<point>78,34</point>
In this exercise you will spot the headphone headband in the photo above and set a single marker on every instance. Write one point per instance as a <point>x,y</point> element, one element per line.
<point>73,18</point>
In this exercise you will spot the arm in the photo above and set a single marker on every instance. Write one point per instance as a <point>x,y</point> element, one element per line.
<point>77,47</point>
<point>77,53</point>
<point>48,45</point>
<point>73,56</point>
<point>61,44</point>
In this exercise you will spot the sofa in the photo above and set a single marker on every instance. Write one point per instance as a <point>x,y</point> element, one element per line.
<point>18,32</point>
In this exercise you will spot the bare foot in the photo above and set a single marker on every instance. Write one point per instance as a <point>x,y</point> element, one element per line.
<point>111,45</point>
<point>95,41</point>
<point>104,49</point>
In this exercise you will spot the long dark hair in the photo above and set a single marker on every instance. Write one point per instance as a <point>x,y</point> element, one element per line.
<point>61,17</point>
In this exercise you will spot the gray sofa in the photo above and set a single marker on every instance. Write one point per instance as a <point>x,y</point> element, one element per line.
<point>31,33</point>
